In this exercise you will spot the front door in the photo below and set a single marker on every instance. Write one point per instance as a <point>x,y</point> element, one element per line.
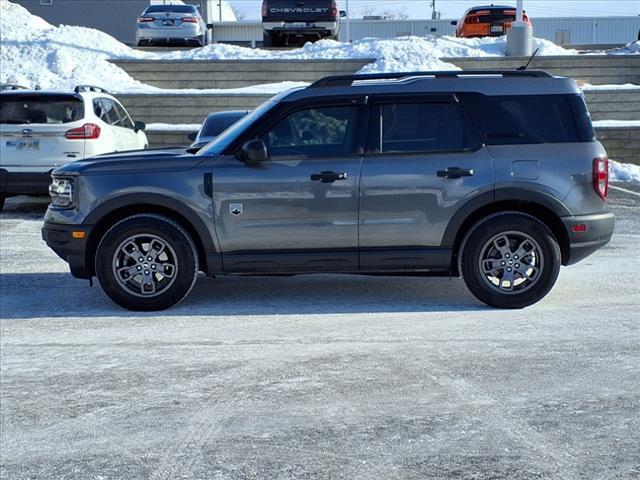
<point>424,161</point>
<point>297,211</point>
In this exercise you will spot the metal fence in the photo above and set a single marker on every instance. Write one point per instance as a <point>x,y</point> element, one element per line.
<point>564,31</point>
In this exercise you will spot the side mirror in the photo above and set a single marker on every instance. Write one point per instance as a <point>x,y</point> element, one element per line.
<point>138,125</point>
<point>343,14</point>
<point>210,26</point>
<point>192,136</point>
<point>454,22</point>
<point>255,151</point>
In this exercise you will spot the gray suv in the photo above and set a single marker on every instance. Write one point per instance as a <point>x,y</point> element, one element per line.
<point>495,176</point>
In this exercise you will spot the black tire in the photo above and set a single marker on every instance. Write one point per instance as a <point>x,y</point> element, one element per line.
<point>1,202</point>
<point>179,254</point>
<point>267,40</point>
<point>537,270</point>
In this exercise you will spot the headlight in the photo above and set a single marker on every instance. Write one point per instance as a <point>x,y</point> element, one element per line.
<point>61,192</point>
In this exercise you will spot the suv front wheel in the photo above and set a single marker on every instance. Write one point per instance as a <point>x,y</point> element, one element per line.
<point>146,262</point>
<point>510,260</point>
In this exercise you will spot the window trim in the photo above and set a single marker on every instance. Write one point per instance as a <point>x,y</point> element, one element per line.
<point>375,117</point>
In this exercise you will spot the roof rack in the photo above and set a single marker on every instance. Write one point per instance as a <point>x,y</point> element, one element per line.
<point>12,86</point>
<point>347,80</point>
<point>89,88</point>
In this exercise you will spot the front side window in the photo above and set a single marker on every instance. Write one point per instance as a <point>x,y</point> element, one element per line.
<point>422,127</point>
<point>314,132</point>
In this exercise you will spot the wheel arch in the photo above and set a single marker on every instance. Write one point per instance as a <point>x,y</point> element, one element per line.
<point>109,213</point>
<point>539,205</point>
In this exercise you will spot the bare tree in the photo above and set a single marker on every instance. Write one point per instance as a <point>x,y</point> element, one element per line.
<point>387,14</point>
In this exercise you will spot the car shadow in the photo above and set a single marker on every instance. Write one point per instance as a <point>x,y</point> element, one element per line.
<point>25,207</point>
<point>48,295</point>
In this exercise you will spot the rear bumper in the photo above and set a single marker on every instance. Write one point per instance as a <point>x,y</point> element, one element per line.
<point>58,237</point>
<point>316,28</point>
<point>158,34</point>
<point>598,230</point>
<point>24,183</point>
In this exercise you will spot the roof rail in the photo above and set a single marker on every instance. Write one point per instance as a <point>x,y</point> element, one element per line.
<point>347,80</point>
<point>89,88</point>
<point>12,86</point>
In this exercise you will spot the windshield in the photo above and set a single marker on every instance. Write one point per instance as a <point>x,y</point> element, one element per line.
<point>217,146</point>
<point>171,8</point>
<point>218,123</point>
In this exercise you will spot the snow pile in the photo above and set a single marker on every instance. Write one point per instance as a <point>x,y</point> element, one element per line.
<point>616,123</point>
<point>631,48</point>
<point>36,53</point>
<point>623,172</point>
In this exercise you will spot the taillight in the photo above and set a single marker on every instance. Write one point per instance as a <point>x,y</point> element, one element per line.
<point>146,19</point>
<point>89,131</point>
<point>601,176</point>
<point>264,8</point>
<point>189,20</point>
<point>334,10</point>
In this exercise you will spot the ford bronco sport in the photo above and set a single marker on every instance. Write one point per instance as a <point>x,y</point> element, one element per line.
<point>494,176</point>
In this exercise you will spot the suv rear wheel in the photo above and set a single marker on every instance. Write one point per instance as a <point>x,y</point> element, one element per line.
<point>146,262</point>
<point>510,260</point>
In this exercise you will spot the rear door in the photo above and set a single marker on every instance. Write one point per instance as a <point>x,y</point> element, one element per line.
<point>33,128</point>
<point>297,211</point>
<point>424,161</point>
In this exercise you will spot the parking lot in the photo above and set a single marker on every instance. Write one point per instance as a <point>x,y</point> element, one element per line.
<point>320,376</point>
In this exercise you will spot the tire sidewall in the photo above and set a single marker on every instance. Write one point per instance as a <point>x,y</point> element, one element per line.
<point>169,231</point>
<point>486,229</point>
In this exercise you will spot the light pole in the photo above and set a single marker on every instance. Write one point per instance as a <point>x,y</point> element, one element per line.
<point>348,23</point>
<point>520,35</point>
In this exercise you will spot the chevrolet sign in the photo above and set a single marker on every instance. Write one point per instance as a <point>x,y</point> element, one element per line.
<point>299,10</point>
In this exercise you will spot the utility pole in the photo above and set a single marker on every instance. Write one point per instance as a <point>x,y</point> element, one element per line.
<point>220,10</point>
<point>348,23</point>
<point>520,35</point>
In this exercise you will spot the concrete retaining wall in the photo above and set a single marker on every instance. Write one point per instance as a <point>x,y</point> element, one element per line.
<point>593,69</point>
<point>234,73</point>
<point>614,104</point>
<point>175,109</point>
<point>622,144</point>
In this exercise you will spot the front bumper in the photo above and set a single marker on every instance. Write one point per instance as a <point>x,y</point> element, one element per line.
<point>59,238</point>
<point>593,233</point>
<point>24,183</point>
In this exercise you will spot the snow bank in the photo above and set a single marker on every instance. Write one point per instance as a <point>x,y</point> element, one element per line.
<point>173,127</point>
<point>624,86</point>
<point>37,53</point>
<point>631,48</point>
<point>616,123</point>
<point>623,172</point>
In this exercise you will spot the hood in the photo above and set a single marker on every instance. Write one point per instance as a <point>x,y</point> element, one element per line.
<point>135,161</point>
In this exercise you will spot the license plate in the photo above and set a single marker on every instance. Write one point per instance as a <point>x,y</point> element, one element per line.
<point>23,145</point>
<point>497,29</point>
<point>167,23</point>
<point>298,25</point>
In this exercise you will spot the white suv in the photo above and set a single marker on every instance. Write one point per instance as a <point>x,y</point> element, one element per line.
<point>42,130</point>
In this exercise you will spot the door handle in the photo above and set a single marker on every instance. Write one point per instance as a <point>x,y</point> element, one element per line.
<point>328,177</point>
<point>455,172</point>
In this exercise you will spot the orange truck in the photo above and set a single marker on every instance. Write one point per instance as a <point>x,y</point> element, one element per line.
<point>487,21</point>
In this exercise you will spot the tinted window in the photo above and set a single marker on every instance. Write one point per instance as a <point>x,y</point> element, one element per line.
<point>105,110</point>
<point>216,124</point>
<point>508,120</point>
<point>171,8</point>
<point>314,132</point>
<point>423,127</point>
<point>41,109</point>
<point>124,119</point>
<point>582,118</point>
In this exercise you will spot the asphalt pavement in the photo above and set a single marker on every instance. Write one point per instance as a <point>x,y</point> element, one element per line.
<point>323,376</point>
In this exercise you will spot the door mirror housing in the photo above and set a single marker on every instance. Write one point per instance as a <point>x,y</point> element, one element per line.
<point>192,136</point>
<point>138,125</point>
<point>255,151</point>
<point>454,22</point>
<point>343,14</point>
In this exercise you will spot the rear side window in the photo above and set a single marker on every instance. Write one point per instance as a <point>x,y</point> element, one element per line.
<point>523,119</point>
<point>124,118</point>
<point>105,110</point>
<point>40,109</point>
<point>422,127</point>
<point>171,8</point>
